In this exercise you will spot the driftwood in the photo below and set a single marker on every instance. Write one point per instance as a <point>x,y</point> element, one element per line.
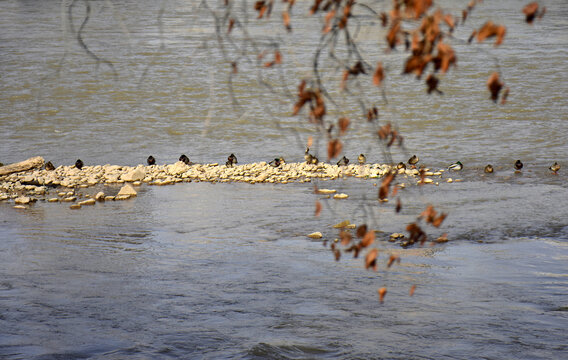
<point>28,164</point>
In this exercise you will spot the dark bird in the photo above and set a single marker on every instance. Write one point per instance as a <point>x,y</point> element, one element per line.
<point>362,159</point>
<point>79,164</point>
<point>231,160</point>
<point>554,168</point>
<point>343,161</point>
<point>457,166</point>
<point>184,159</point>
<point>49,166</point>
<point>518,165</point>
<point>401,165</point>
<point>413,160</point>
<point>277,162</point>
<point>151,160</point>
<point>488,169</point>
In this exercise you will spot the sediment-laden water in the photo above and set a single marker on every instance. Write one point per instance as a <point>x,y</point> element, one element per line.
<point>225,270</point>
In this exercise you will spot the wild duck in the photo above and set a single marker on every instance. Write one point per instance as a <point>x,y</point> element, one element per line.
<point>554,168</point>
<point>457,166</point>
<point>343,161</point>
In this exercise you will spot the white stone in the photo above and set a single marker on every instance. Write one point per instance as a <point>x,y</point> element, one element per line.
<point>315,235</point>
<point>23,200</point>
<point>127,190</point>
<point>134,175</point>
<point>87,202</point>
<point>177,168</point>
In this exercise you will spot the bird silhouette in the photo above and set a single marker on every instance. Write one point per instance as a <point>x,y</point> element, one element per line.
<point>518,165</point>
<point>488,169</point>
<point>79,164</point>
<point>151,160</point>
<point>183,158</point>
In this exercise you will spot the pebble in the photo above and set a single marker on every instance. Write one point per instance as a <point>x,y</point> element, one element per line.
<point>340,196</point>
<point>87,202</point>
<point>23,200</point>
<point>315,235</point>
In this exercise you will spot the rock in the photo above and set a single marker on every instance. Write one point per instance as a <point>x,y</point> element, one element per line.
<point>450,180</point>
<point>53,200</point>
<point>75,206</point>
<point>128,190</point>
<point>87,202</point>
<point>23,200</point>
<point>315,235</point>
<point>426,181</point>
<point>122,197</point>
<point>340,196</point>
<point>109,198</point>
<point>177,168</point>
<point>69,199</point>
<point>20,207</point>
<point>326,191</point>
<point>100,196</point>
<point>342,224</point>
<point>134,175</point>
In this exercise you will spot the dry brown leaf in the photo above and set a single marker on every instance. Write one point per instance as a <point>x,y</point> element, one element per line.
<point>345,237</point>
<point>368,239</point>
<point>343,124</point>
<point>334,148</point>
<point>371,259</point>
<point>494,85</point>
<point>489,29</point>
<point>382,292</point>
<point>412,289</point>
<point>318,208</point>
<point>392,259</point>
<point>379,75</point>
<point>361,231</point>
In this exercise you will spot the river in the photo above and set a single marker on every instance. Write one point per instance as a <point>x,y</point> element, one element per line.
<point>200,270</point>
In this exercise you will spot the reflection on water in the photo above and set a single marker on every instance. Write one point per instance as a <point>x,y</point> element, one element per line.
<point>225,270</point>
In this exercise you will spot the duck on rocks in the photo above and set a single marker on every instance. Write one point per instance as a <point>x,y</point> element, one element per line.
<point>413,160</point>
<point>49,166</point>
<point>231,160</point>
<point>184,159</point>
<point>343,161</point>
<point>362,159</point>
<point>79,164</point>
<point>277,162</point>
<point>151,160</point>
<point>488,169</point>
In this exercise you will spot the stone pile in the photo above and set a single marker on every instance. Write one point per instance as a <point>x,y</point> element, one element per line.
<point>41,184</point>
